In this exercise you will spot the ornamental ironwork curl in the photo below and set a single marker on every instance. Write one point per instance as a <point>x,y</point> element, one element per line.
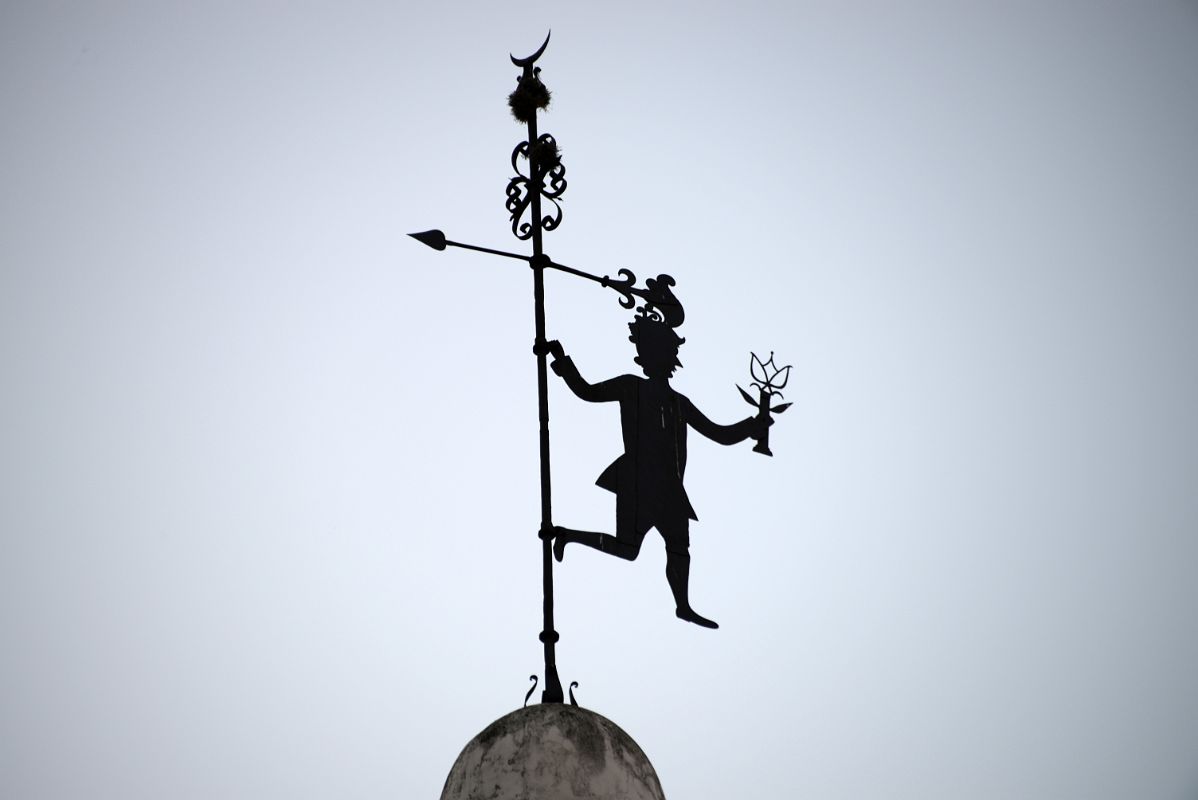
<point>546,171</point>
<point>624,287</point>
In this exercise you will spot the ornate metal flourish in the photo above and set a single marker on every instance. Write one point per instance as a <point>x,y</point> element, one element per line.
<point>624,287</point>
<point>532,689</point>
<point>546,175</point>
<point>660,302</point>
<point>767,376</point>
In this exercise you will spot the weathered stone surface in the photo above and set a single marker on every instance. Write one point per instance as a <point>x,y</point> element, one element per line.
<point>552,752</point>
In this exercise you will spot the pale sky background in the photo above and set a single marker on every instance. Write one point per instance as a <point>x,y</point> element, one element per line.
<point>268,484</point>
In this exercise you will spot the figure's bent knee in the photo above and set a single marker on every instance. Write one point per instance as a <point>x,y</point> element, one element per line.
<point>678,545</point>
<point>626,550</point>
<point>681,557</point>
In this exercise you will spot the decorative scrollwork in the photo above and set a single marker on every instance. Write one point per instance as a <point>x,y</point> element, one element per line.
<point>660,303</point>
<point>518,200</point>
<point>549,157</point>
<point>521,151</point>
<point>768,377</point>
<point>624,287</point>
<point>546,176</point>
<point>649,312</point>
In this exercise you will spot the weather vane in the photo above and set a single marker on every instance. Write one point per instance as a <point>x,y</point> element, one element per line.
<point>647,477</point>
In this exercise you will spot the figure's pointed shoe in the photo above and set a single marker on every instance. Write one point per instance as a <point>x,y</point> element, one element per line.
<point>690,615</point>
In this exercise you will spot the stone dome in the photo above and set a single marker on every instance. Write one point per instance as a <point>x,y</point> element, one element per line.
<point>552,751</point>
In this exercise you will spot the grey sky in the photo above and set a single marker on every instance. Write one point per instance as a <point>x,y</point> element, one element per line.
<point>268,467</point>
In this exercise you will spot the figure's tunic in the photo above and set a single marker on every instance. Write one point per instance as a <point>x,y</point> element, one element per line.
<point>653,421</point>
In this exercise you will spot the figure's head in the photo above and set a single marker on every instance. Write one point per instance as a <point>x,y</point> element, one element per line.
<point>656,346</point>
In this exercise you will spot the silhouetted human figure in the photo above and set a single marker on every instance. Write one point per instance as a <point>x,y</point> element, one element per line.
<point>647,478</point>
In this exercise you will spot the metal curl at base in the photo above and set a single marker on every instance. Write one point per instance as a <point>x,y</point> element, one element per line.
<point>532,678</point>
<point>573,684</point>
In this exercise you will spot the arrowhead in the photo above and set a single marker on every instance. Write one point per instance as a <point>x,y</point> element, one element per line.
<point>434,239</point>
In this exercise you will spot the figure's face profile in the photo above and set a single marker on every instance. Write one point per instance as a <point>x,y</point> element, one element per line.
<point>657,362</point>
<point>656,347</point>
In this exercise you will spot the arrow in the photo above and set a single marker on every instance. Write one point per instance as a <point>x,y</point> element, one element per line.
<point>436,240</point>
<point>624,285</point>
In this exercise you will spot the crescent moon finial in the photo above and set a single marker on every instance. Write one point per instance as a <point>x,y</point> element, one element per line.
<point>526,62</point>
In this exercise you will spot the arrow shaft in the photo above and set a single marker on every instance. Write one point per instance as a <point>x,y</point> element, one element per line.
<point>503,253</point>
<point>520,257</point>
<point>572,271</point>
<point>548,263</point>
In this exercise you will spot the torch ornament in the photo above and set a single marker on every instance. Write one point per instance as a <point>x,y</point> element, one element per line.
<point>769,379</point>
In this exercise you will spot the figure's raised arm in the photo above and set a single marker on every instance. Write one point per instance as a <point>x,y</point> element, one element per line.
<point>748,428</point>
<point>563,365</point>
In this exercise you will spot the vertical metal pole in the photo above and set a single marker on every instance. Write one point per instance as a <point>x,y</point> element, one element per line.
<point>553,685</point>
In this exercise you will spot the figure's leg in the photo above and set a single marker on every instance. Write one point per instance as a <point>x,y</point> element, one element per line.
<point>678,569</point>
<point>625,544</point>
<point>603,542</point>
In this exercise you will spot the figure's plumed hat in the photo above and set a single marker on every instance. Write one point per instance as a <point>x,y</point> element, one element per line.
<point>657,320</point>
<point>660,303</point>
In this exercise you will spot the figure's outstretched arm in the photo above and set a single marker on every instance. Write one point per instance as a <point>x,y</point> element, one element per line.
<point>748,428</point>
<point>563,365</point>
